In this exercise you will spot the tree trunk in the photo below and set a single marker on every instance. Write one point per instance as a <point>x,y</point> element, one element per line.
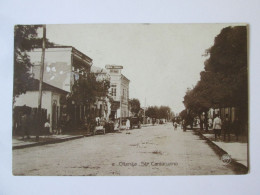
<point>206,121</point>
<point>201,123</point>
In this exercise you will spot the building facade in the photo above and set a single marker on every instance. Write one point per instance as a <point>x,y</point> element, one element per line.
<point>63,66</point>
<point>119,90</point>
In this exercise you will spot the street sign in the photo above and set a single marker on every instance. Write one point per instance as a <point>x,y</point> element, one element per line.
<point>114,67</point>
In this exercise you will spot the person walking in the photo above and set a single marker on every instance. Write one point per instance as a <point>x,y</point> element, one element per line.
<point>236,128</point>
<point>25,125</point>
<point>127,124</point>
<point>217,124</point>
<point>226,127</point>
<point>175,125</point>
<point>184,125</point>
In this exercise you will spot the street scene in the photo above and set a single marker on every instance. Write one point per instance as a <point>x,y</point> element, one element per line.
<point>130,100</point>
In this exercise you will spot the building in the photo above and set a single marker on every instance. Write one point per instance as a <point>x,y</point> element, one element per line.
<point>119,90</point>
<point>63,66</point>
<point>51,101</point>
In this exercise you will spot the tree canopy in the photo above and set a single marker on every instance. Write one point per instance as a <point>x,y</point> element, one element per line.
<point>87,89</point>
<point>135,106</point>
<point>25,39</point>
<point>158,112</point>
<point>224,83</point>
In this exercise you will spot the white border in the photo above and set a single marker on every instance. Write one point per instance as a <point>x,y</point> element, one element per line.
<point>135,11</point>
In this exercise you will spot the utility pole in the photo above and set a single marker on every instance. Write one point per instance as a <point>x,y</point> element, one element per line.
<point>144,109</point>
<point>120,110</point>
<point>40,83</point>
<point>120,92</point>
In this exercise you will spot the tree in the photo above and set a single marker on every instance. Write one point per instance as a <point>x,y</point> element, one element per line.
<point>25,39</point>
<point>164,112</point>
<point>85,91</point>
<point>135,106</point>
<point>228,62</point>
<point>225,79</point>
<point>152,112</point>
<point>158,112</point>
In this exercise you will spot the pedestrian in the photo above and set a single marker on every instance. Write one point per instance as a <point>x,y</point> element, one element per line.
<point>226,127</point>
<point>127,124</point>
<point>210,122</point>
<point>175,125</point>
<point>184,125</point>
<point>117,125</point>
<point>217,124</point>
<point>47,127</point>
<point>25,125</point>
<point>236,126</point>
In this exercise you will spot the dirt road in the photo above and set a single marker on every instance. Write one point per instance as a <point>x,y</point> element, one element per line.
<point>155,150</point>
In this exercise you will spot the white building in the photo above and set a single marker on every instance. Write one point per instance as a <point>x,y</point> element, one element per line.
<point>119,90</point>
<point>63,66</point>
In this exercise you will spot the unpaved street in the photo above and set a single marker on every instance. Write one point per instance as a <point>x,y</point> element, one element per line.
<point>155,150</point>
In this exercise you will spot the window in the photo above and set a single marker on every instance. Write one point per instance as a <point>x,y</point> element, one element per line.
<point>113,71</point>
<point>113,90</point>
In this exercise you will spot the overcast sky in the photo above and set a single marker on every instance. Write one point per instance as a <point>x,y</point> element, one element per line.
<point>160,60</point>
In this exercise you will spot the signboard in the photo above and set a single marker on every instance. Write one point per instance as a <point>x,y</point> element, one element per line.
<point>114,67</point>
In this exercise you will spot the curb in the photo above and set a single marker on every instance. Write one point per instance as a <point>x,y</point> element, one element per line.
<point>237,166</point>
<point>47,142</point>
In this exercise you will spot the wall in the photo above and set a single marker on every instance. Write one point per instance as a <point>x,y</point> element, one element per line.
<point>57,70</point>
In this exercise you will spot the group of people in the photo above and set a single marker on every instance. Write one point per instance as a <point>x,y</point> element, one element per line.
<point>225,127</point>
<point>127,125</point>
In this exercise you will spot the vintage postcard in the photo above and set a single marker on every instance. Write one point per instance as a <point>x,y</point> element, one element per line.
<point>130,100</point>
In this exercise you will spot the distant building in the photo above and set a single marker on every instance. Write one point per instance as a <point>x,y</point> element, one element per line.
<point>119,90</point>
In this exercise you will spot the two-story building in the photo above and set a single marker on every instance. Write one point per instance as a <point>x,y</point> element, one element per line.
<point>119,90</point>
<point>63,66</point>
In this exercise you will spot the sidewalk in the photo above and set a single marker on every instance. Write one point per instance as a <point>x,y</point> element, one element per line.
<point>19,143</point>
<point>236,149</point>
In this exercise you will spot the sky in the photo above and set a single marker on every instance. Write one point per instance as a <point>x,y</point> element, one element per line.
<point>160,60</point>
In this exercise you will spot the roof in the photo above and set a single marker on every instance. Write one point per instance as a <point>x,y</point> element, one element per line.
<point>73,49</point>
<point>124,77</point>
<point>33,85</point>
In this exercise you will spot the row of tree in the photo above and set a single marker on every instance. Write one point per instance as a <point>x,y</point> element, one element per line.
<point>162,112</point>
<point>224,81</point>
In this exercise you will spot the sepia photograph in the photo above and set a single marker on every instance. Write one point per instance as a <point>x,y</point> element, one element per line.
<point>139,99</point>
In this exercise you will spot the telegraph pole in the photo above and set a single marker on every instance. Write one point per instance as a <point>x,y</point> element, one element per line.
<point>120,101</point>
<point>144,109</point>
<point>120,120</point>
<point>40,82</point>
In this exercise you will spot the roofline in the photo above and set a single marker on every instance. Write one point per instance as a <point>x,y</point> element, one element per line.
<point>48,85</point>
<point>73,49</point>
<point>82,54</point>
<point>124,77</point>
